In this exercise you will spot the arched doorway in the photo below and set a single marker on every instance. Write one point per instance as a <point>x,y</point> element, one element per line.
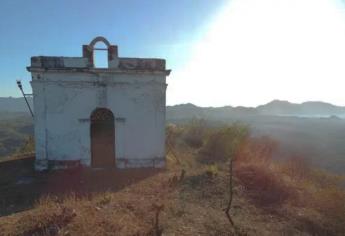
<point>102,139</point>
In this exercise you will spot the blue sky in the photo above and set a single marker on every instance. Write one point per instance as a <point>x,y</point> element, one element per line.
<point>152,28</point>
<point>221,52</point>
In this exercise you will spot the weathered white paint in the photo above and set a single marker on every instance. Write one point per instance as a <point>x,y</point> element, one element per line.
<point>66,92</point>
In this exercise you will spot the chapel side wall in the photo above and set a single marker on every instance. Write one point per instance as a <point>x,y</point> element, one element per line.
<point>39,124</point>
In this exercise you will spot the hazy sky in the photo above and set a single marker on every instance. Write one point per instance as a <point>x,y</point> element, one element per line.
<point>239,52</point>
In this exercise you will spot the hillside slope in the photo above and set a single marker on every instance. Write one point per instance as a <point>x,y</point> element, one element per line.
<point>15,129</point>
<point>188,198</point>
<point>11,104</point>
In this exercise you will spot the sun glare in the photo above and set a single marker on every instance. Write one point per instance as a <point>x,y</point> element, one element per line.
<point>259,50</point>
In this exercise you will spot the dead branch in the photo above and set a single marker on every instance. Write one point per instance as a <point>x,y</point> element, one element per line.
<point>183,172</point>
<point>227,209</point>
<point>157,208</point>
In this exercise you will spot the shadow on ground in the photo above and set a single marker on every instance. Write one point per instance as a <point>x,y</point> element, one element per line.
<point>21,186</point>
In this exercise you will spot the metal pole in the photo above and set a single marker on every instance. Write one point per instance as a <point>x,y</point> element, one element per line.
<point>20,86</point>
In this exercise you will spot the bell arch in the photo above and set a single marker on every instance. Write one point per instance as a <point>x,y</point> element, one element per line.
<point>88,50</point>
<point>99,39</point>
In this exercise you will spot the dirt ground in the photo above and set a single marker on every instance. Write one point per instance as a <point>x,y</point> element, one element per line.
<point>21,187</point>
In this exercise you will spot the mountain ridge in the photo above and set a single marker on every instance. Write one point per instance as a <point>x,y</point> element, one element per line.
<point>275,108</point>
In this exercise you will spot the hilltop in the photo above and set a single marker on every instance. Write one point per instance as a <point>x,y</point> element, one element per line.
<point>188,198</point>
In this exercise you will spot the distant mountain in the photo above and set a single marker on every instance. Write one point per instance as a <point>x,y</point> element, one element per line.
<point>189,111</point>
<point>274,108</point>
<point>10,104</point>
<point>278,107</point>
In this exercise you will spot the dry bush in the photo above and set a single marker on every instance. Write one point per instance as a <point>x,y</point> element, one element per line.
<point>223,143</point>
<point>297,168</point>
<point>191,134</point>
<point>258,150</point>
<point>194,133</point>
<point>263,185</point>
<point>330,202</point>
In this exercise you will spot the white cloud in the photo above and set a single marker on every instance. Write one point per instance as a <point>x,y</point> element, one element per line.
<point>259,50</point>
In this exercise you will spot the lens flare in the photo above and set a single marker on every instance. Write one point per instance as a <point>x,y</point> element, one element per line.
<point>259,50</point>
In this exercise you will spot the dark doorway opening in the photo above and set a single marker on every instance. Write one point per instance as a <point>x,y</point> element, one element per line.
<point>102,139</point>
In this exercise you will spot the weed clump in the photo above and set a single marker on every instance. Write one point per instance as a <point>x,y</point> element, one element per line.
<point>212,170</point>
<point>45,223</point>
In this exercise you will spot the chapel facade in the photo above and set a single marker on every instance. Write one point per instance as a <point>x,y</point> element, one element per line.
<point>99,117</point>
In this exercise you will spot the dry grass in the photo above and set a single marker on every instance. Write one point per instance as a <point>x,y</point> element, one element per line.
<point>127,212</point>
